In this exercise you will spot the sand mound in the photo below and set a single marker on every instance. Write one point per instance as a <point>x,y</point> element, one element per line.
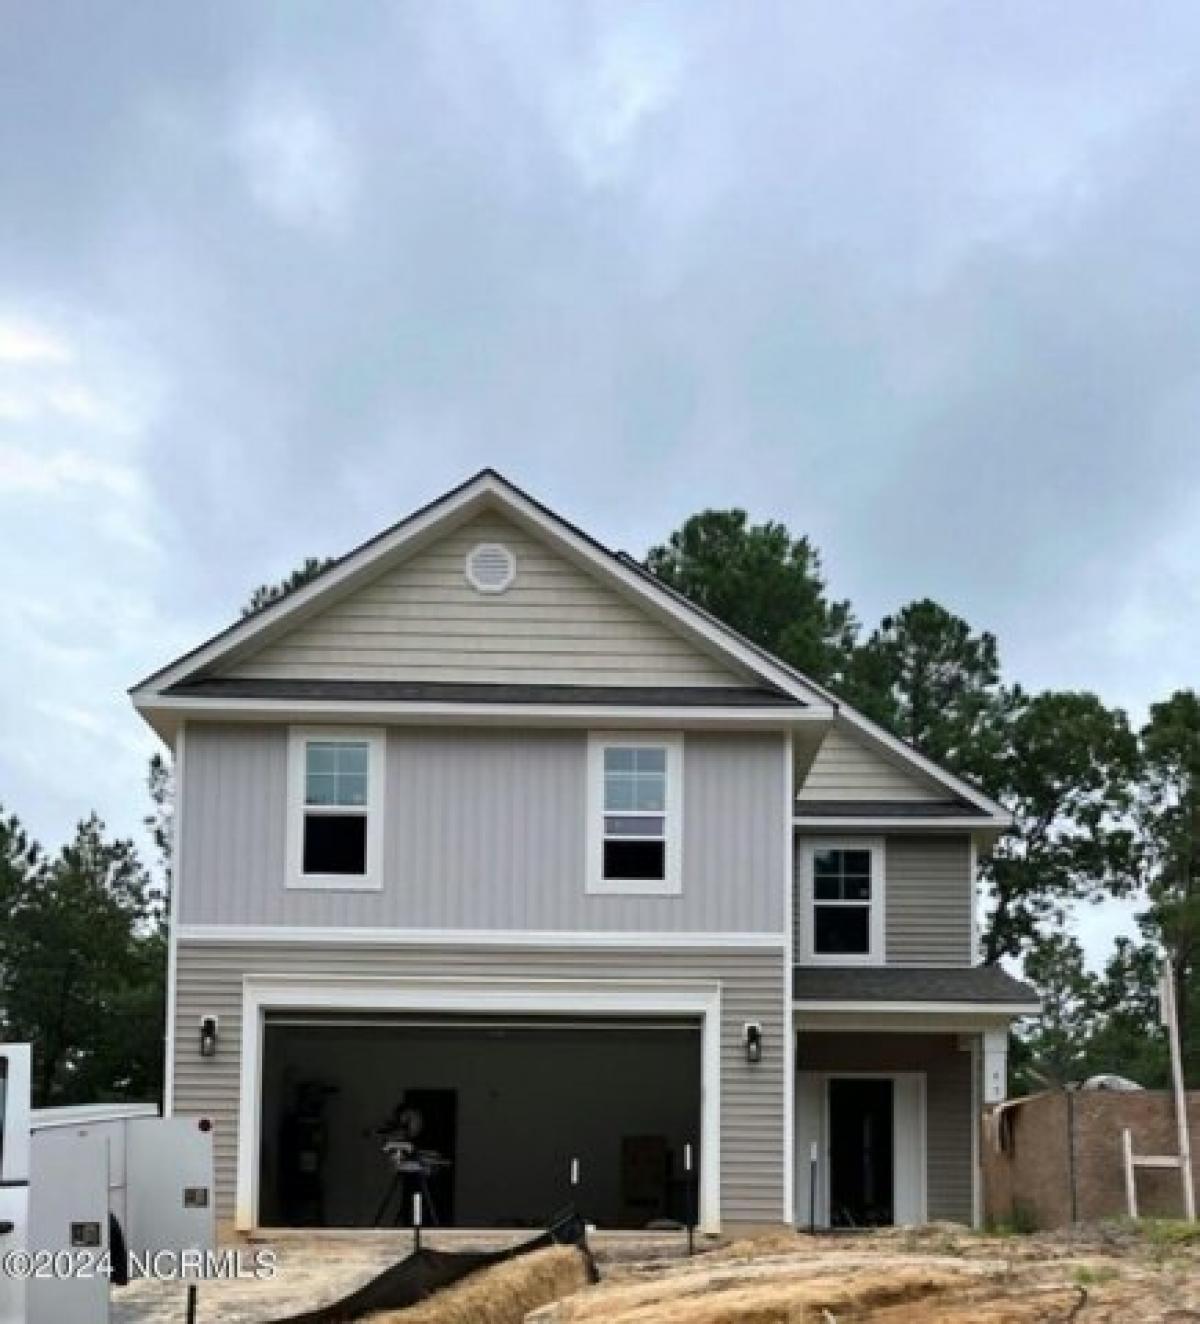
<point>700,1297</point>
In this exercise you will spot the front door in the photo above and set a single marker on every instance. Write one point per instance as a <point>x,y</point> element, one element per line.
<point>861,1152</point>
<point>860,1148</point>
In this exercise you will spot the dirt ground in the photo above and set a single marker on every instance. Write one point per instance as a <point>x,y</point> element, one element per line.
<point>936,1275</point>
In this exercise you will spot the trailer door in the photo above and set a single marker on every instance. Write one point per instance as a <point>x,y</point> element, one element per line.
<point>68,1219</point>
<point>14,1172</point>
<point>169,1182</point>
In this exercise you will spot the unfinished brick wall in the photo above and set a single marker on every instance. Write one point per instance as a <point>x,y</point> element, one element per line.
<point>1031,1181</point>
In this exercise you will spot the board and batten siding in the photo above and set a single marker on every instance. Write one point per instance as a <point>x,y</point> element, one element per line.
<point>209,982</point>
<point>949,1113</point>
<point>422,620</point>
<point>928,896</point>
<point>483,829</point>
<point>845,769</point>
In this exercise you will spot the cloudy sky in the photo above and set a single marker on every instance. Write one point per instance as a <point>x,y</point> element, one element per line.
<point>919,279</point>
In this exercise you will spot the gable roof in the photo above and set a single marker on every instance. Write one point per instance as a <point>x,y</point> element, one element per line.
<point>487,489</point>
<point>187,677</point>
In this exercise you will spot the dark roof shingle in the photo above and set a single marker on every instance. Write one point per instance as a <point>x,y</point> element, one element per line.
<point>980,983</point>
<point>404,691</point>
<point>916,809</point>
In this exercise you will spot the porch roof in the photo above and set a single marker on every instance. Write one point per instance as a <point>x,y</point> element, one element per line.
<point>982,984</point>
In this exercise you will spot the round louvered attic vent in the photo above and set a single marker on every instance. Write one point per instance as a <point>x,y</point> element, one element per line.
<point>491,567</point>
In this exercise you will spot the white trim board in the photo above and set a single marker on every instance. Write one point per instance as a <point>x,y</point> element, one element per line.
<point>976,1122</point>
<point>981,1010</point>
<point>789,956</point>
<point>563,940</point>
<point>263,993</point>
<point>177,773</point>
<point>893,824</point>
<point>169,708</point>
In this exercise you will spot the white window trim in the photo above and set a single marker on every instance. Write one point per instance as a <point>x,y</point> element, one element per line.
<point>372,879</point>
<point>672,883</point>
<point>876,954</point>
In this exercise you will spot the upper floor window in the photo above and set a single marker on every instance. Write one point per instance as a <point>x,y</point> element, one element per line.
<point>635,796</point>
<point>842,900</point>
<point>335,808</point>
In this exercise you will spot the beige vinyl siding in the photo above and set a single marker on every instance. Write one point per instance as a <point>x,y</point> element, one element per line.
<point>423,621</point>
<point>929,898</point>
<point>928,895</point>
<point>845,769</point>
<point>948,1105</point>
<point>483,829</point>
<point>752,1097</point>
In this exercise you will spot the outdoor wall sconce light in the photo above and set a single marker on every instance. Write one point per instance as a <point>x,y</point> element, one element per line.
<point>208,1036</point>
<point>752,1036</point>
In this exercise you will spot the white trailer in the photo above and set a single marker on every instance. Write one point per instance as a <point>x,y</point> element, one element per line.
<point>86,1184</point>
<point>14,1174</point>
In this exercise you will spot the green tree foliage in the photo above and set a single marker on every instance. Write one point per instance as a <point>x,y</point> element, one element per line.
<point>1053,1053</point>
<point>1125,1035</point>
<point>927,676</point>
<point>20,860</point>
<point>20,864</point>
<point>1092,1024</point>
<point>1169,819</point>
<point>1067,772</point>
<point>1063,764</point>
<point>265,594</point>
<point>83,971</point>
<point>160,820</point>
<point>762,582</point>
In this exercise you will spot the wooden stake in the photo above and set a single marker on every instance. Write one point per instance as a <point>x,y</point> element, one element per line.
<point>1130,1178</point>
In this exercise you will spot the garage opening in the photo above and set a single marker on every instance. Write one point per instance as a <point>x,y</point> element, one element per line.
<point>483,1116</point>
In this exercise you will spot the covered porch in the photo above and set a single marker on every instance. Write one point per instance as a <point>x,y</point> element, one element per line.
<point>892,1069</point>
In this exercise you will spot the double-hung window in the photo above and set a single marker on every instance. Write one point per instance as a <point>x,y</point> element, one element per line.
<point>635,796</point>
<point>335,794</point>
<point>842,917</point>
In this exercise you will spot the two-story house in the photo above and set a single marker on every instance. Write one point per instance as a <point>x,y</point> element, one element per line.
<point>488,843</point>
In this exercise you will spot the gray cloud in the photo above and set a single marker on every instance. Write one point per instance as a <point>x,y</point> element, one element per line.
<point>918,279</point>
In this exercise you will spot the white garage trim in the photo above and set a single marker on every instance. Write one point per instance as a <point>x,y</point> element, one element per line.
<point>263,993</point>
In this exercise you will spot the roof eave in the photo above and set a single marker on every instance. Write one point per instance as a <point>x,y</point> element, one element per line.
<point>164,712</point>
<point>960,822</point>
<point>913,1006</point>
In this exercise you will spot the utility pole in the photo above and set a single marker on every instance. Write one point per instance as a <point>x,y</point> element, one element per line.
<point>1170,1018</point>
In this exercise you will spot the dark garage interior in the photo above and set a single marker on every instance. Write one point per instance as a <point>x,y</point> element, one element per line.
<point>483,1116</point>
